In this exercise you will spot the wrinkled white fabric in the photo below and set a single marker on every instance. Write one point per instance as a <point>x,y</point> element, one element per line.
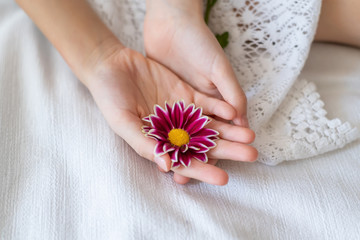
<point>269,43</point>
<point>64,174</point>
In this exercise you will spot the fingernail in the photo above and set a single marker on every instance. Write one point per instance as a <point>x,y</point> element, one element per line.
<point>161,163</point>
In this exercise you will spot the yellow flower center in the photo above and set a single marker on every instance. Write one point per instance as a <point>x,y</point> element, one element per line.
<point>178,137</point>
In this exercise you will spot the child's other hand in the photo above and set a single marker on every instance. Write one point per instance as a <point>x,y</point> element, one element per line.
<point>126,86</point>
<point>176,36</point>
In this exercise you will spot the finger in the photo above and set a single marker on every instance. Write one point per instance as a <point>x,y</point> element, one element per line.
<point>130,130</point>
<point>183,180</point>
<point>224,78</point>
<point>233,151</point>
<point>160,169</point>
<point>232,133</point>
<point>214,106</point>
<point>204,172</point>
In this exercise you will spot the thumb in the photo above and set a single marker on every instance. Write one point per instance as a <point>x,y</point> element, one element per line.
<point>130,130</point>
<point>225,80</point>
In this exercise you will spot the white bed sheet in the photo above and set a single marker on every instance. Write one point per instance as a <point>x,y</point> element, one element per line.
<point>65,175</point>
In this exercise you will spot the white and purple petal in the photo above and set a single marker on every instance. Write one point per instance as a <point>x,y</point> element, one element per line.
<point>160,135</point>
<point>168,108</point>
<point>206,132</point>
<point>196,126</point>
<point>174,155</point>
<point>214,138</point>
<point>198,147</point>
<point>193,116</point>
<point>168,147</point>
<point>187,118</point>
<point>185,159</point>
<point>182,105</point>
<point>163,114</point>
<point>201,157</point>
<point>177,116</point>
<point>159,149</point>
<point>189,109</point>
<point>184,148</point>
<point>158,123</point>
<point>175,165</point>
<point>149,136</point>
<point>146,129</point>
<point>204,140</point>
<point>146,119</point>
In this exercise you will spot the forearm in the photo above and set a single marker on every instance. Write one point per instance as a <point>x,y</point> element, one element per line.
<point>73,28</point>
<point>193,7</point>
<point>339,22</point>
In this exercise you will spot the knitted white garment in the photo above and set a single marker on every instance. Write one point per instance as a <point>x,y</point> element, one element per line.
<point>268,45</point>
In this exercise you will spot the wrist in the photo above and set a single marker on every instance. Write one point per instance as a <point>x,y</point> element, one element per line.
<point>175,8</point>
<point>80,37</point>
<point>97,59</point>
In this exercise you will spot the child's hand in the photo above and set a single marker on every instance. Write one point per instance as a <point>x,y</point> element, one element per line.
<point>176,36</point>
<point>126,85</point>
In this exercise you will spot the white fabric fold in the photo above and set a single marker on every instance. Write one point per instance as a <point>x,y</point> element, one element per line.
<point>268,45</point>
<point>64,174</point>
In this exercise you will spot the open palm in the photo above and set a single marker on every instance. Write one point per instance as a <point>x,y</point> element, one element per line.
<point>126,86</point>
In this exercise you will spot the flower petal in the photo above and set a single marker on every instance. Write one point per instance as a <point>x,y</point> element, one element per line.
<point>203,140</point>
<point>161,113</point>
<point>158,123</point>
<point>146,119</point>
<point>189,109</point>
<point>159,149</point>
<point>168,147</point>
<point>193,116</point>
<point>185,159</point>
<point>174,155</point>
<point>206,132</point>
<point>146,129</point>
<point>175,165</point>
<point>177,115</point>
<point>201,157</point>
<point>168,108</point>
<point>214,138</point>
<point>158,134</point>
<point>184,148</point>
<point>198,147</point>
<point>147,135</point>
<point>182,105</point>
<point>196,126</point>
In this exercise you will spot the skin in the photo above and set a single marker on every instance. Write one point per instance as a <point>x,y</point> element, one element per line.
<point>176,35</point>
<point>126,85</point>
<point>338,22</point>
<point>166,20</point>
<point>125,103</point>
<point>182,52</point>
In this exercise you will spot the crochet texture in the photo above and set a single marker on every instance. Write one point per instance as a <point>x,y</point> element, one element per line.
<point>268,45</point>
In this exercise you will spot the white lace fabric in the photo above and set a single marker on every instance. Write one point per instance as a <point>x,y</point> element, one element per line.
<point>268,45</point>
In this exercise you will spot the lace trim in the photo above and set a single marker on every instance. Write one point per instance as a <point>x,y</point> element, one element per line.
<point>300,129</point>
<point>268,45</point>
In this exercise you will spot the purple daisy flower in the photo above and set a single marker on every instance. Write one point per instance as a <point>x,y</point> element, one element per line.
<point>180,132</point>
